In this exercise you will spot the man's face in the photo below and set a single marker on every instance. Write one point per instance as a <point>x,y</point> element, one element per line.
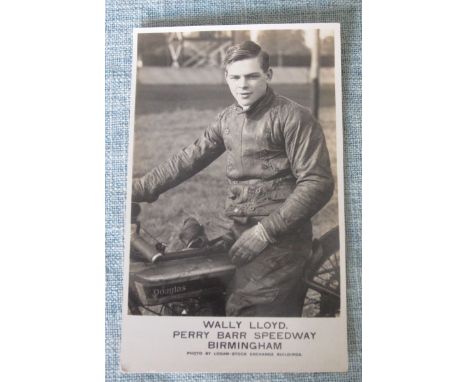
<point>247,81</point>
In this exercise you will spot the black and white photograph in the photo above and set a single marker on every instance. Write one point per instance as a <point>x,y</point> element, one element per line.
<point>235,181</point>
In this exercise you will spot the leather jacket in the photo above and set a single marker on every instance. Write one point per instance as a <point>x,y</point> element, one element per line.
<point>278,166</point>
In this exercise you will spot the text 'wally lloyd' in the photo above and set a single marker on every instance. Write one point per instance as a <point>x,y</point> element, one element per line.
<point>238,324</point>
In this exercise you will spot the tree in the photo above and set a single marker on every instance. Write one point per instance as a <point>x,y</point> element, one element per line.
<point>283,42</point>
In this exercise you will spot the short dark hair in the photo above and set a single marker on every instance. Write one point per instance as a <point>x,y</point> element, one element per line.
<point>245,50</point>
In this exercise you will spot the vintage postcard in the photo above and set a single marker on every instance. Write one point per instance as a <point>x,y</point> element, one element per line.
<point>235,246</point>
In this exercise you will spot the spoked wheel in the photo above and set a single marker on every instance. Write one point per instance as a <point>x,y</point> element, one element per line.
<point>322,276</point>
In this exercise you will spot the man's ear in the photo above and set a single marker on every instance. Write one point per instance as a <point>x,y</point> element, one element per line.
<point>269,74</point>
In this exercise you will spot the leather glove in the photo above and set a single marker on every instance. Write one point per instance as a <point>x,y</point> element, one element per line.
<point>249,245</point>
<point>193,234</point>
<point>136,210</point>
<point>138,193</point>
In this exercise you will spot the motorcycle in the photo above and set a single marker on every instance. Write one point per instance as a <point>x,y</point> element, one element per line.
<point>195,281</point>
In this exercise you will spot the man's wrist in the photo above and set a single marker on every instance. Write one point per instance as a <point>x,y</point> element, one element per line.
<point>137,191</point>
<point>263,234</point>
<point>274,225</point>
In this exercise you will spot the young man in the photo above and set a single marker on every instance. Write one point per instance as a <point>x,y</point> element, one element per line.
<point>279,176</point>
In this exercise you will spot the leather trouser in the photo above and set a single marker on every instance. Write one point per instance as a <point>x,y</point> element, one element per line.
<point>271,284</point>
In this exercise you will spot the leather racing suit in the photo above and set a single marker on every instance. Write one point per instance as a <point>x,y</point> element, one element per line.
<point>278,172</point>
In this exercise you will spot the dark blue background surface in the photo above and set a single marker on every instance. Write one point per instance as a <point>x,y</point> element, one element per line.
<point>121,18</point>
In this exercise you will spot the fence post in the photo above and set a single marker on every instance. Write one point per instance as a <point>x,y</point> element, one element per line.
<point>312,38</point>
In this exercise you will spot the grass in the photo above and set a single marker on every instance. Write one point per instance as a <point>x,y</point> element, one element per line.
<point>169,118</point>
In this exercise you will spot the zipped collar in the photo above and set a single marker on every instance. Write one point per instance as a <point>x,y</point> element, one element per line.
<point>259,105</point>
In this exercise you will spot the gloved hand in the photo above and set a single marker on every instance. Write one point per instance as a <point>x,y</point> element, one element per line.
<point>249,245</point>
<point>193,234</point>
<point>136,210</point>
<point>138,193</point>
